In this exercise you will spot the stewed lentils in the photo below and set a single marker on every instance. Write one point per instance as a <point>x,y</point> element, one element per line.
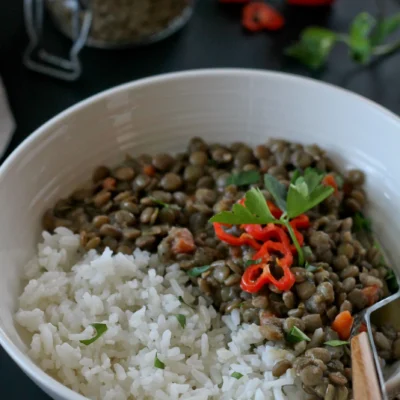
<point>163,203</point>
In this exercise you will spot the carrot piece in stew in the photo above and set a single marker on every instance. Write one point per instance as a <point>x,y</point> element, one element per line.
<point>343,324</point>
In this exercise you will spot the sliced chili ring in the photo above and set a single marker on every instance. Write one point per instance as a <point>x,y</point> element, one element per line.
<point>258,16</point>
<point>255,277</point>
<point>243,239</point>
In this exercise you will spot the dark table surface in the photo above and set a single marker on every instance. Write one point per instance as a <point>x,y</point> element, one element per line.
<point>213,38</point>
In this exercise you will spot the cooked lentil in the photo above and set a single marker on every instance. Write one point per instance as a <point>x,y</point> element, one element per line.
<point>168,211</point>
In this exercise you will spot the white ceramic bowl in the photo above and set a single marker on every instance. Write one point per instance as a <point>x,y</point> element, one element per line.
<point>161,114</point>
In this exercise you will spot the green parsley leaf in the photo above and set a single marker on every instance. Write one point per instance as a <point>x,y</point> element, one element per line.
<point>384,28</point>
<point>296,174</point>
<point>390,274</point>
<point>197,271</point>
<point>256,203</point>
<point>101,329</point>
<point>181,319</point>
<point>336,343</point>
<point>158,364</point>
<point>306,192</point>
<point>302,187</point>
<point>244,178</point>
<point>296,335</point>
<point>313,178</point>
<point>321,193</point>
<point>277,189</point>
<point>391,281</point>
<point>361,223</point>
<point>314,46</point>
<point>252,262</point>
<point>379,247</point>
<point>359,41</point>
<point>311,268</point>
<point>256,211</point>
<point>165,205</point>
<point>236,375</point>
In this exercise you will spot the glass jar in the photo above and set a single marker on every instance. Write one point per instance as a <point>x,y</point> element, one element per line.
<point>99,23</point>
<point>122,23</point>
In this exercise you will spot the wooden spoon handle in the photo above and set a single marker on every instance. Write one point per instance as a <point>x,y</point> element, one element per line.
<point>365,380</point>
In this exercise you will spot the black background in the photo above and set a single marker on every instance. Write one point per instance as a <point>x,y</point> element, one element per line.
<point>213,38</point>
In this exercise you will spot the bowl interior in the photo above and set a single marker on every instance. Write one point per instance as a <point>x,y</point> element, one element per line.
<point>160,115</point>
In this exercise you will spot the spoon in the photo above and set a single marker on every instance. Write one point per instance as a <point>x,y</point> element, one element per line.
<point>365,379</point>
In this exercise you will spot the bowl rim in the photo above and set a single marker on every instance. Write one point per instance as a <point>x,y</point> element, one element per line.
<point>18,356</point>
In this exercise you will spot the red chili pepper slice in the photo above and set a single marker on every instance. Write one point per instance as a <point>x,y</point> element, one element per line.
<point>300,222</point>
<point>258,275</point>
<point>275,211</point>
<point>283,246</point>
<point>242,240</point>
<point>266,233</point>
<point>275,240</point>
<point>260,233</point>
<point>255,277</point>
<point>258,16</point>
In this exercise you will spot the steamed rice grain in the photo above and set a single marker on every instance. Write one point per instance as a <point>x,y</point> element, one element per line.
<point>139,300</point>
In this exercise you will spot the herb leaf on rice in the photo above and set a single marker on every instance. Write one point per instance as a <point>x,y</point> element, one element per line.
<point>101,329</point>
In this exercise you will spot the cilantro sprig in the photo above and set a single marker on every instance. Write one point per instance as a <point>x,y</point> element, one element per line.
<point>304,193</point>
<point>365,40</point>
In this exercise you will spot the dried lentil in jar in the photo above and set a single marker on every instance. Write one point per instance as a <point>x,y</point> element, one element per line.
<point>120,23</point>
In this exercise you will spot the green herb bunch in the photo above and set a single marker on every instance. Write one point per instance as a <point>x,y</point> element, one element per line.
<point>304,193</point>
<point>366,39</point>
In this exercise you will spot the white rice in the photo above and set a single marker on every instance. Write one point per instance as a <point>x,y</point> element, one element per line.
<point>138,300</point>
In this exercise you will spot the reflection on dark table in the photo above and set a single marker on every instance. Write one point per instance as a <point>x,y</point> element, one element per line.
<point>213,38</point>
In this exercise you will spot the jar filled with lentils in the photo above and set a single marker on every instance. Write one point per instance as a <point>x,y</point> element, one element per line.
<point>121,23</point>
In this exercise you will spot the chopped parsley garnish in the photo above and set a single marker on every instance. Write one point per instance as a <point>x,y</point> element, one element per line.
<point>157,363</point>
<point>391,281</point>
<point>165,205</point>
<point>296,335</point>
<point>101,329</point>
<point>244,178</point>
<point>197,271</point>
<point>361,223</point>
<point>236,375</point>
<point>181,319</point>
<point>336,343</point>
